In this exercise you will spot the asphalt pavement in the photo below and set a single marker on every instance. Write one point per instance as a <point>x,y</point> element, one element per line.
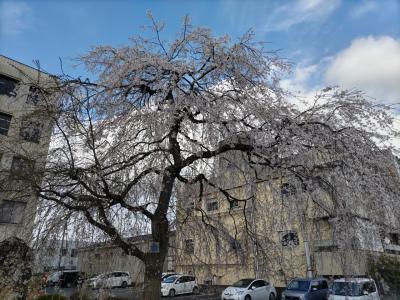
<point>122,293</point>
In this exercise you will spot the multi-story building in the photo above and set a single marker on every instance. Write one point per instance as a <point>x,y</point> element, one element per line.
<point>278,232</point>
<point>25,131</point>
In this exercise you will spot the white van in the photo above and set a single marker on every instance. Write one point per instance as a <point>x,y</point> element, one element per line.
<point>354,289</point>
<point>110,280</point>
<point>179,284</point>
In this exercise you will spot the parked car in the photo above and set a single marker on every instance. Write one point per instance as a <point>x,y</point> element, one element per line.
<point>168,274</point>
<point>354,288</point>
<point>306,289</point>
<point>67,278</point>
<point>250,289</point>
<point>110,280</point>
<point>179,284</point>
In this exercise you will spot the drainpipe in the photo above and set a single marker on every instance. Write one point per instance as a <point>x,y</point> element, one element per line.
<point>308,259</point>
<point>62,244</point>
<point>254,226</point>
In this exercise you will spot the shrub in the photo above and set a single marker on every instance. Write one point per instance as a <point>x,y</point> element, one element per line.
<point>386,268</point>
<point>51,297</point>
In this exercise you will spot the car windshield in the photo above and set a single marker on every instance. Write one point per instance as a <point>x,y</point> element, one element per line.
<point>54,276</point>
<point>167,275</point>
<point>170,279</point>
<point>299,285</point>
<point>242,283</point>
<point>346,289</point>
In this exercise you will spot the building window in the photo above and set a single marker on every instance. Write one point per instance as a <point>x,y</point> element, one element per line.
<point>290,239</point>
<point>30,131</point>
<point>21,167</point>
<point>189,207</point>
<point>73,252</point>
<point>35,95</point>
<point>12,211</point>
<point>189,246</point>
<point>8,86</point>
<point>212,205</point>
<point>234,204</point>
<point>394,238</point>
<point>5,121</point>
<point>288,189</point>
<point>64,252</point>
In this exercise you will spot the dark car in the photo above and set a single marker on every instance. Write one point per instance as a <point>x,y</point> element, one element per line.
<point>306,289</point>
<point>67,278</point>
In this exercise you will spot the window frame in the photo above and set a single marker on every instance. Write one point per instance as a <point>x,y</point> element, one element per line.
<point>293,242</point>
<point>189,246</point>
<point>212,205</point>
<point>26,167</point>
<point>14,81</point>
<point>28,125</point>
<point>3,219</point>
<point>4,130</point>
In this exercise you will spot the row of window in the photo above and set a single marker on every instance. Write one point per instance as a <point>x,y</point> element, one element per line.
<point>287,189</point>
<point>290,239</point>
<point>64,252</point>
<point>9,86</point>
<point>212,205</point>
<point>30,130</point>
<point>12,211</point>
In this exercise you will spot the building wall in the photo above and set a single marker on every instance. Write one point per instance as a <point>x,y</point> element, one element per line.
<point>271,216</point>
<point>12,145</point>
<point>57,255</point>
<point>103,258</point>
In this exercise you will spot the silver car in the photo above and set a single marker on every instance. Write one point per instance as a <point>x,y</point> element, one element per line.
<point>250,289</point>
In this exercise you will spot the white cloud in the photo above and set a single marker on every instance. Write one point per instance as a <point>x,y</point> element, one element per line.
<point>363,8</point>
<point>371,64</point>
<point>15,17</point>
<point>296,12</point>
<point>298,82</point>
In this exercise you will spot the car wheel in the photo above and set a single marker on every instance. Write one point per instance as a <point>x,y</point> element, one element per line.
<point>272,296</point>
<point>171,293</point>
<point>247,297</point>
<point>124,284</point>
<point>195,290</point>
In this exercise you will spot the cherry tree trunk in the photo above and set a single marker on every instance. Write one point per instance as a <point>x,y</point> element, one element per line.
<point>152,276</point>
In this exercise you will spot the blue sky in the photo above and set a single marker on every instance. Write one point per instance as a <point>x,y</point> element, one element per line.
<point>354,43</point>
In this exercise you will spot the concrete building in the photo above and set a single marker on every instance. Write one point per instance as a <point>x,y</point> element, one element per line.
<point>266,236</point>
<point>105,257</point>
<point>25,132</point>
<point>54,255</point>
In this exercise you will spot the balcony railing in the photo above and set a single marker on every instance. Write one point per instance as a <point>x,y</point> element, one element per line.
<point>321,245</point>
<point>392,248</point>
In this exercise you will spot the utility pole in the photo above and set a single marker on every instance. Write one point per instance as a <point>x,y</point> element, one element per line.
<point>62,244</point>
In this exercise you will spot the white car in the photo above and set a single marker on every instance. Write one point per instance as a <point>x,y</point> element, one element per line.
<point>354,289</point>
<point>179,284</point>
<point>110,280</point>
<point>250,289</point>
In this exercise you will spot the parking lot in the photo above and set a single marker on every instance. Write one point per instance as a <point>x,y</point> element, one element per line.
<point>120,293</point>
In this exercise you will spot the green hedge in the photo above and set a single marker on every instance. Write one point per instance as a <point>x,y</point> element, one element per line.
<point>388,268</point>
